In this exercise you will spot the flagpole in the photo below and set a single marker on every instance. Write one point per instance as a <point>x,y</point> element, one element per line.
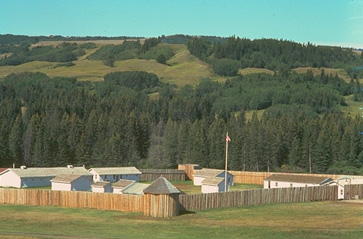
<point>225,167</point>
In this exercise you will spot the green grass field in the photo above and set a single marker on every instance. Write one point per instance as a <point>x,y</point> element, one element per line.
<point>304,220</point>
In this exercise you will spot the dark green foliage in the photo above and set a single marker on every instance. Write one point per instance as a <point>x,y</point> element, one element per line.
<point>273,54</point>
<point>57,121</point>
<point>137,80</point>
<point>148,44</point>
<point>65,52</point>
<point>226,67</point>
<point>161,59</point>
<point>126,50</point>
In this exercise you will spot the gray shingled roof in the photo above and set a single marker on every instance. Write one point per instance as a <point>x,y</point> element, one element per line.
<point>65,178</point>
<point>116,170</point>
<point>122,183</point>
<point>161,186</point>
<point>101,184</point>
<point>214,181</point>
<point>48,172</point>
<point>296,178</point>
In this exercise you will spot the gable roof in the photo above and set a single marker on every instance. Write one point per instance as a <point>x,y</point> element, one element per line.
<point>122,183</point>
<point>161,186</point>
<point>101,184</point>
<point>66,178</point>
<point>213,181</point>
<point>3,169</point>
<point>208,172</point>
<point>47,172</point>
<point>116,170</point>
<point>297,178</point>
<point>135,189</point>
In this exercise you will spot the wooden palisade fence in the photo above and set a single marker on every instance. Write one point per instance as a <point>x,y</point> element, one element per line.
<point>350,191</point>
<point>169,174</point>
<point>103,201</point>
<point>134,203</point>
<point>257,197</point>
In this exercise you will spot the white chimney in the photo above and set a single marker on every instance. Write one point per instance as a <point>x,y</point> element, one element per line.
<point>69,166</point>
<point>23,167</point>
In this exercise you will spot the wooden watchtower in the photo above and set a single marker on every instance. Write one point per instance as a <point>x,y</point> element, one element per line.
<point>161,199</point>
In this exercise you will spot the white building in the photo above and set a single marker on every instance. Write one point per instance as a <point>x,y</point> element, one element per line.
<point>204,173</point>
<point>115,173</point>
<point>102,187</point>
<point>36,177</point>
<point>72,182</point>
<point>347,180</point>
<point>121,185</point>
<point>293,180</point>
<point>213,185</point>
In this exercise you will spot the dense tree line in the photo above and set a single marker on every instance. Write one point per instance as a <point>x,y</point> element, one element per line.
<point>273,54</point>
<point>65,52</point>
<point>57,121</point>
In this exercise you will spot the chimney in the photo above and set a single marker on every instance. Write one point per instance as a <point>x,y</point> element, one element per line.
<point>23,167</point>
<point>69,166</point>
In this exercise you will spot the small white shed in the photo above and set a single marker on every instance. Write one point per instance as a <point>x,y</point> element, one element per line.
<point>204,173</point>
<point>213,185</point>
<point>102,187</point>
<point>71,182</point>
<point>114,174</point>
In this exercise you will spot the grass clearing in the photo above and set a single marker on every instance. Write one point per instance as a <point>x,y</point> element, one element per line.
<point>303,220</point>
<point>249,70</point>
<point>316,71</point>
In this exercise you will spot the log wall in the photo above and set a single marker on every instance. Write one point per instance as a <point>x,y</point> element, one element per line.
<point>169,174</point>
<point>350,191</point>
<point>257,197</point>
<point>258,177</point>
<point>73,199</point>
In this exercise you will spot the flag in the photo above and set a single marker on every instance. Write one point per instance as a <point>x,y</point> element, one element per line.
<point>228,138</point>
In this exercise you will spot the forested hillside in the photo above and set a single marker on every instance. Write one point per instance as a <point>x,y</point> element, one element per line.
<point>136,117</point>
<point>53,122</point>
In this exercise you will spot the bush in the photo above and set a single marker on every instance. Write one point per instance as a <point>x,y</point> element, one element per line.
<point>226,67</point>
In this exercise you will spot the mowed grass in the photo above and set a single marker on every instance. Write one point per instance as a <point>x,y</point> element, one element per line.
<point>296,220</point>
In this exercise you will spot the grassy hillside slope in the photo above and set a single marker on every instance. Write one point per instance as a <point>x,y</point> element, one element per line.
<point>181,69</point>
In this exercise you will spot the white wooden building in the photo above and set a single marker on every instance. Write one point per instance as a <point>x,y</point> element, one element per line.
<point>36,177</point>
<point>293,180</point>
<point>114,174</point>
<point>213,185</point>
<point>72,182</point>
<point>204,173</point>
<point>347,180</point>
<point>102,187</point>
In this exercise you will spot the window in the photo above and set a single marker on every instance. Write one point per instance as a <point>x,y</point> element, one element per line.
<point>341,192</point>
<point>276,184</point>
<point>114,176</point>
<point>96,176</point>
<point>105,176</point>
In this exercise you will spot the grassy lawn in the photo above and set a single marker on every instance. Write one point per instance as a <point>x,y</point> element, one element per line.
<point>303,220</point>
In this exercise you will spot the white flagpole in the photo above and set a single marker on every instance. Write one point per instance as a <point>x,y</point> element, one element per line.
<point>225,168</point>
